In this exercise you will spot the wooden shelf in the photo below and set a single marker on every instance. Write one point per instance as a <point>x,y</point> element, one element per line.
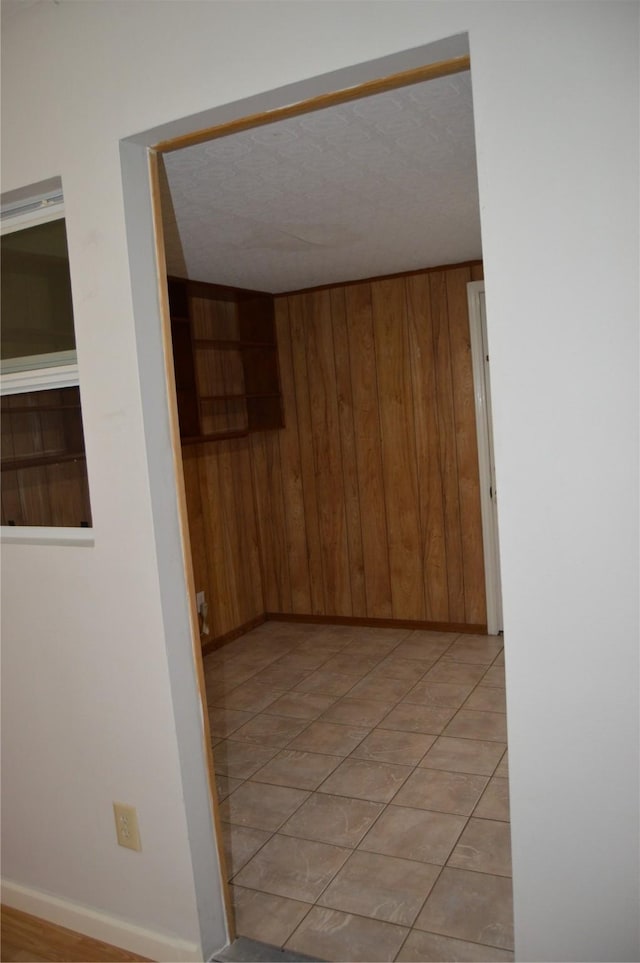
<point>36,409</point>
<point>37,461</point>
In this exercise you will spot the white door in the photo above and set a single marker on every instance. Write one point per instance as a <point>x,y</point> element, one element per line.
<point>486,462</point>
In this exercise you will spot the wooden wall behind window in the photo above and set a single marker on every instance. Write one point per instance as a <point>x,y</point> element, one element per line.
<point>367,503</point>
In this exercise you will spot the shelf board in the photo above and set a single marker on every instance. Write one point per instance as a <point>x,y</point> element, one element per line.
<point>35,410</point>
<point>37,461</point>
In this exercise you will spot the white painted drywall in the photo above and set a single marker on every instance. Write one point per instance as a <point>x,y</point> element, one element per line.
<point>99,700</point>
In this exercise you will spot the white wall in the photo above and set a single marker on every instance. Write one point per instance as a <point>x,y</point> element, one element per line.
<point>100,700</point>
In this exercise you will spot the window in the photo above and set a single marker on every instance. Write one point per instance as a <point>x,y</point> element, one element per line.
<point>44,476</point>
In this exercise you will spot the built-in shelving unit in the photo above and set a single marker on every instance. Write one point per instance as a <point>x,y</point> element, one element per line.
<point>225,357</point>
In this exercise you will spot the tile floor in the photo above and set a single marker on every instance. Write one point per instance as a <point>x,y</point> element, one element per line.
<point>362,776</point>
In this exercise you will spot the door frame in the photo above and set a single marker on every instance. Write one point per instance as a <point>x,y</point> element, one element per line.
<point>486,459</point>
<point>140,161</point>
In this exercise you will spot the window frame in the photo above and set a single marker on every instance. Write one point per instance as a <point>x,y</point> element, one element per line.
<point>39,372</point>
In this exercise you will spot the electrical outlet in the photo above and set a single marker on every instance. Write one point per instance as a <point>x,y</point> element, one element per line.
<point>127,826</point>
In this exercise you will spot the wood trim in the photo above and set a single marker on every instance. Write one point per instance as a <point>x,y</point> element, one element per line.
<point>165,318</point>
<point>477,263</point>
<point>405,78</point>
<point>471,629</point>
<point>221,640</point>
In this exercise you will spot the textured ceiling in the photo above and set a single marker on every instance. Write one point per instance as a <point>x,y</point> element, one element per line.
<point>373,187</point>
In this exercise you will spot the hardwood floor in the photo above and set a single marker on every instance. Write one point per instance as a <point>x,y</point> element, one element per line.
<point>28,939</point>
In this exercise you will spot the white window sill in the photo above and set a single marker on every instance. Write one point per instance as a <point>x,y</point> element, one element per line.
<point>34,535</point>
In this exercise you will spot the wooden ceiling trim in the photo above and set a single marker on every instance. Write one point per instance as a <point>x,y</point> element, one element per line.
<point>405,78</point>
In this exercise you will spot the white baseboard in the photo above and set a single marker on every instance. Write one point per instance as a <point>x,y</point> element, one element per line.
<point>99,926</point>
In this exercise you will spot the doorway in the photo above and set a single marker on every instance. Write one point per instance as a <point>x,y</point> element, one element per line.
<point>449,641</point>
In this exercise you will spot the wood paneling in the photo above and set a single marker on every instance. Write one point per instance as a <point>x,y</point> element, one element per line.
<point>366,505</point>
<point>368,441</point>
<point>223,532</point>
<point>433,550</point>
<point>378,463</point>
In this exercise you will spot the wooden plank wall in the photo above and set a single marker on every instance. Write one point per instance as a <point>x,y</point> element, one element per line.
<point>224,533</point>
<point>368,501</point>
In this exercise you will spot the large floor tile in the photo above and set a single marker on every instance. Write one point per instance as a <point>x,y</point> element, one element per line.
<point>485,846</point>
<point>389,745</point>
<point>264,917</point>
<point>240,759</point>
<point>445,792</point>
<point>240,844</point>
<point>260,806</point>
<point>299,770</point>
<point>470,906</point>
<point>328,683</point>
<point>327,737</point>
<point>494,803</point>
<point>225,785</point>
<point>281,677</point>
<point>352,663</point>
<point>371,646</point>
<point>251,696</point>
<point>471,724</point>
<point>330,935</point>
<point>414,834</point>
<point>475,649</point>
<point>494,676</point>
<point>412,718</point>
<point>394,667</point>
<point>487,699</point>
<point>438,694</point>
<point>382,887</point>
<point>296,868</point>
<point>300,705</point>
<point>460,673</point>
<point>431,948</point>
<point>360,779</point>
<point>304,661</point>
<point>222,722</point>
<point>357,712</point>
<point>381,689</point>
<point>333,819</point>
<point>389,637</point>
<point>463,755</point>
<point>503,767</point>
<point>267,730</point>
